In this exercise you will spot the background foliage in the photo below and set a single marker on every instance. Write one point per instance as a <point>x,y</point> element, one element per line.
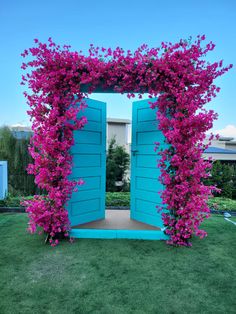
<point>120,199</point>
<point>15,151</point>
<point>117,164</point>
<point>223,176</point>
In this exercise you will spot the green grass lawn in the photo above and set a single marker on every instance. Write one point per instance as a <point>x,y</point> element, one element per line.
<point>233,218</point>
<point>116,276</point>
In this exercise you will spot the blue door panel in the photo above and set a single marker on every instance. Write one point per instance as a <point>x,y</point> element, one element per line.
<point>88,148</point>
<point>86,217</point>
<point>146,138</point>
<point>82,172</point>
<point>85,206</point>
<point>92,111</point>
<point>146,206</point>
<point>148,149</point>
<point>143,113</point>
<point>146,195</point>
<point>87,160</point>
<point>144,160</point>
<point>148,219</point>
<point>92,126</point>
<point>89,164</point>
<point>147,172</point>
<point>146,183</point>
<point>88,137</point>
<point>85,195</point>
<point>92,183</point>
<point>147,125</point>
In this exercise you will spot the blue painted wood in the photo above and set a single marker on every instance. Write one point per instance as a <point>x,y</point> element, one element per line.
<point>89,164</point>
<point>144,160</point>
<point>118,234</point>
<point>3,180</point>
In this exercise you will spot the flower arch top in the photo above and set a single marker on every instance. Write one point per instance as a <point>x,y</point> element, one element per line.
<point>176,73</point>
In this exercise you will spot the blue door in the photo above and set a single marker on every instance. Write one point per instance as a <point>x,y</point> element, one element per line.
<point>144,170</point>
<point>89,164</point>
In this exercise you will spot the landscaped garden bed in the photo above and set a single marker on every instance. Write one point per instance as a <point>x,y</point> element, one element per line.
<point>118,199</point>
<point>222,203</point>
<point>121,200</point>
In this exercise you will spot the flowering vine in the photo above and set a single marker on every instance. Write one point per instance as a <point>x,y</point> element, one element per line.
<point>176,74</point>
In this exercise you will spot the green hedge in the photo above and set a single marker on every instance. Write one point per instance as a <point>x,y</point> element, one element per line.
<point>112,199</point>
<point>222,203</point>
<point>13,201</point>
<point>123,199</point>
<point>118,199</point>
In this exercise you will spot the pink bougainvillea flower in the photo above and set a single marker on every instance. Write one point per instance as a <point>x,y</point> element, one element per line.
<point>176,74</point>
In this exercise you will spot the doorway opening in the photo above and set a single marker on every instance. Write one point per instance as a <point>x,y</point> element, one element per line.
<point>87,209</point>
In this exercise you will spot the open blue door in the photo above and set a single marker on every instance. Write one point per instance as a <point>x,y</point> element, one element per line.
<point>89,164</point>
<point>144,170</point>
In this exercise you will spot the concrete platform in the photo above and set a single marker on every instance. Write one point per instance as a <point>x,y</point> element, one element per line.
<point>117,219</point>
<point>118,225</point>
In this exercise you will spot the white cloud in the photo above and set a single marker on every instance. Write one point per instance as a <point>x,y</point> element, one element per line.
<point>229,130</point>
<point>21,126</point>
<point>18,125</point>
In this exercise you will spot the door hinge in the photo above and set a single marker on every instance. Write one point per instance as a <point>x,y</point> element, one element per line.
<point>134,151</point>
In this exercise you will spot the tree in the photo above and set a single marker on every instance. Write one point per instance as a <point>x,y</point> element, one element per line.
<point>116,167</point>
<point>15,151</point>
<point>222,175</point>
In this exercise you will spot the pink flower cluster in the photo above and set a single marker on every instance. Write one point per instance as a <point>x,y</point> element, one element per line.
<point>175,73</point>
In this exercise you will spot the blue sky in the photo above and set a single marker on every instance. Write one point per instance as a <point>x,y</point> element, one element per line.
<point>127,24</point>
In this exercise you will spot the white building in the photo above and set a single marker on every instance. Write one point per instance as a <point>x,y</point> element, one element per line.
<point>120,129</point>
<point>222,149</point>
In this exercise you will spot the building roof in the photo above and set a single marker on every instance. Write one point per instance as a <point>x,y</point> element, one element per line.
<point>225,138</point>
<point>116,120</point>
<point>218,150</point>
<point>231,143</point>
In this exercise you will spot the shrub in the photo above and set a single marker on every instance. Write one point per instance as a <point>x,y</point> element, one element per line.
<point>222,176</point>
<point>117,164</point>
<point>117,199</point>
<point>222,203</point>
<point>15,151</point>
